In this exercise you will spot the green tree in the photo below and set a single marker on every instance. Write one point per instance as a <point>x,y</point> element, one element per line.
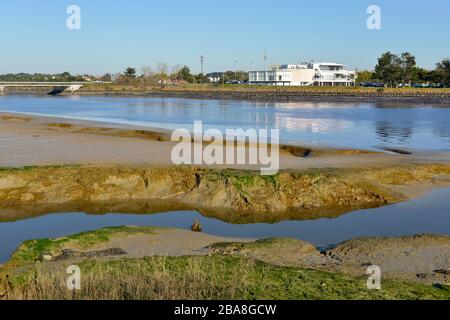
<point>201,78</point>
<point>364,76</point>
<point>443,72</point>
<point>186,75</point>
<point>389,69</point>
<point>65,76</point>
<point>242,76</point>
<point>424,75</point>
<point>409,68</point>
<point>130,73</point>
<point>234,75</point>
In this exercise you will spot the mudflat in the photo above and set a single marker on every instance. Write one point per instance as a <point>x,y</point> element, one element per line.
<point>32,140</point>
<point>55,165</point>
<point>97,163</point>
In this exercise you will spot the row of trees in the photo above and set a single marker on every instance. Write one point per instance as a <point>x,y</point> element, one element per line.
<point>147,76</point>
<point>162,73</point>
<point>394,70</point>
<point>178,73</point>
<point>40,77</point>
<point>59,77</point>
<point>234,75</point>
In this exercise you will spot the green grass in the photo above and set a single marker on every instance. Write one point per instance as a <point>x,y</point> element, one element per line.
<point>60,125</point>
<point>207,277</point>
<point>254,90</point>
<point>246,179</point>
<point>33,250</point>
<point>214,276</point>
<point>31,168</point>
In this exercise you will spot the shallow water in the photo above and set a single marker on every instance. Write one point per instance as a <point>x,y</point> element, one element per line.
<point>352,125</point>
<point>430,214</point>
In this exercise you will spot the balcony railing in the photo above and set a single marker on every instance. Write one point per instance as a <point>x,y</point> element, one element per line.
<point>331,78</point>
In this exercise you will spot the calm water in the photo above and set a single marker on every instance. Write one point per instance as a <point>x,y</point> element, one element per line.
<point>430,214</point>
<point>358,125</point>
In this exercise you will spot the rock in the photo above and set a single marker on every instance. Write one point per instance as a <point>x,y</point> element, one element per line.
<point>47,257</point>
<point>278,251</point>
<point>424,257</point>
<point>67,254</point>
<point>442,286</point>
<point>445,272</point>
<point>196,227</point>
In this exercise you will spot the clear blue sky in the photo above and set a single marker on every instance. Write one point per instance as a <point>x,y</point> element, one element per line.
<point>119,33</point>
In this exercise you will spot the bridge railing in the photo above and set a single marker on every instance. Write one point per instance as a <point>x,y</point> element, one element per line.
<point>48,83</point>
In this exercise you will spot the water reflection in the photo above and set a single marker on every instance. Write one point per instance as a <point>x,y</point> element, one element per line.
<point>339,124</point>
<point>429,214</point>
<point>388,133</point>
<point>312,125</point>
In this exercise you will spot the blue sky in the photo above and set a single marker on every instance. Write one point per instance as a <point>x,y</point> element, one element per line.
<point>119,33</point>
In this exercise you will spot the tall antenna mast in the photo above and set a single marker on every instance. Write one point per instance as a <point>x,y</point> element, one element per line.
<point>265,65</point>
<point>202,61</point>
<point>265,60</point>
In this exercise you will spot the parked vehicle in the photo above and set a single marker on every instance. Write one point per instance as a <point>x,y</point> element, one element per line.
<point>372,84</point>
<point>428,85</point>
<point>234,82</point>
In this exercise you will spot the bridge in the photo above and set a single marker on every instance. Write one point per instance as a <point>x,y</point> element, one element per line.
<point>57,87</point>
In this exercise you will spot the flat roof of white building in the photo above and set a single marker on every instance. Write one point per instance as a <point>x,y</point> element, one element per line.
<point>330,63</point>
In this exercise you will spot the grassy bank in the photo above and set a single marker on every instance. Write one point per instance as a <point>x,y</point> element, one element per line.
<point>208,277</point>
<point>255,271</point>
<point>203,277</point>
<point>252,91</point>
<point>33,250</point>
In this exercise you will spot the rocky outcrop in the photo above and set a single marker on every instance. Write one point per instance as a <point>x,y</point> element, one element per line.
<point>277,251</point>
<point>242,191</point>
<point>423,257</point>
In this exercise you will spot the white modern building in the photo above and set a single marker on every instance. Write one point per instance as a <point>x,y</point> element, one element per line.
<point>305,74</point>
<point>215,77</point>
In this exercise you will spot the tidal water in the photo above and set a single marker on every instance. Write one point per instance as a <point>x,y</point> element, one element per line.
<point>351,125</point>
<point>429,214</point>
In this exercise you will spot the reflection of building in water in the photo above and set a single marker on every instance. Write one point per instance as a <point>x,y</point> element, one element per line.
<point>387,132</point>
<point>313,125</point>
<point>443,132</point>
<point>312,105</point>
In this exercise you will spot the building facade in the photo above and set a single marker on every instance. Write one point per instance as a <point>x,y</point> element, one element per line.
<point>305,74</point>
<point>215,77</point>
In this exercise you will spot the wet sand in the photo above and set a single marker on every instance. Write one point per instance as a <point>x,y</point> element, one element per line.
<point>33,140</point>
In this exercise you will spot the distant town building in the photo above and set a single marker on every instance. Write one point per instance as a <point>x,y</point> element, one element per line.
<point>115,76</point>
<point>305,74</point>
<point>215,76</point>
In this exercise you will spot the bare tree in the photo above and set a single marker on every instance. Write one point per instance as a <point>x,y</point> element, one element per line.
<point>147,73</point>
<point>162,69</point>
<point>176,71</point>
